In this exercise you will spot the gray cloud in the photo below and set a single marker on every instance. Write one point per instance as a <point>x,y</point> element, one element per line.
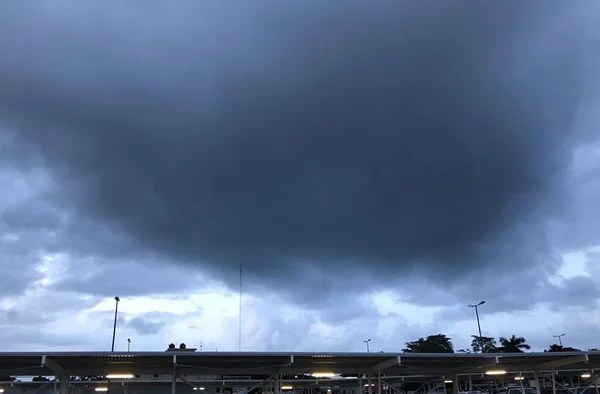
<point>41,306</point>
<point>145,327</point>
<point>593,263</point>
<point>376,143</point>
<point>522,295</point>
<point>26,324</point>
<point>344,312</point>
<point>126,279</point>
<point>30,338</point>
<point>22,224</point>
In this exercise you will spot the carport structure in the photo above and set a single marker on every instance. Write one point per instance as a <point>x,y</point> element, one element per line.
<point>372,370</point>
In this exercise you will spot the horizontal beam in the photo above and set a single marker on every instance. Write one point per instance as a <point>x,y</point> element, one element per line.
<point>351,382</point>
<point>406,368</point>
<point>392,362</point>
<point>563,362</point>
<point>403,370</point>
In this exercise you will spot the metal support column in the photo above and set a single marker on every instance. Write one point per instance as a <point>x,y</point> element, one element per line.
<point>379,382</point>
<point>64,384</point>
<point>536,382</point>
<point>174,378</point>
<point>470,382</point>
<point>553,382</point>
<point>370,384</point>
<point>360,384</point>
<point>277,383</point>
<point>522,386</point>
<point>455,384</point>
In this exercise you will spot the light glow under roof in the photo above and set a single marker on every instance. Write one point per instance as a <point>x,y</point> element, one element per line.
<point>493,372</point>
<point>323,374</point>
<point>120,376</point>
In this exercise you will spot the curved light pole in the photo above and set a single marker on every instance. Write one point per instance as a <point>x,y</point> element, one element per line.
<point>478,324</point>
<point>559,338</point>
<point>367,342</point>
<point>117,299</point>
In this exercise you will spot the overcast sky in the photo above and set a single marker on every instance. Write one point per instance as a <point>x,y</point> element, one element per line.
<point>373,166</point>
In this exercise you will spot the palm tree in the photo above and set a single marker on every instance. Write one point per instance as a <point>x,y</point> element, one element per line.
<point>513,344</point>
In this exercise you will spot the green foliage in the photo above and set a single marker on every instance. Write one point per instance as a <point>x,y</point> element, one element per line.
<point>483,344</point>
<point>513,344</point>
<point>440,343</point>
<point>432,344</point>
<point>558,348</point>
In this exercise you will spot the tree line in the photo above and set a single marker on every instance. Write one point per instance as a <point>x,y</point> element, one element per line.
<point>440,343</point>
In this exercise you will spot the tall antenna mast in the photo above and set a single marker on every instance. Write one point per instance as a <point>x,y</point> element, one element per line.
<point>240,312</point>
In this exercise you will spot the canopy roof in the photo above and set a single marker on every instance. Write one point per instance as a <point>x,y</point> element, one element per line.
<point>242,363</point>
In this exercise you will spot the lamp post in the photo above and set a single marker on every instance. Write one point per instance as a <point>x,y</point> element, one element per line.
<point>128,344</point>
<point>559,338</point>
<point>367,342</point>
<point>478,324</point>
<point>117,299</point>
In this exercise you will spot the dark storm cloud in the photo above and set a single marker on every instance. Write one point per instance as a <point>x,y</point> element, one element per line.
<point>583,225</point>
<point>310,139</point>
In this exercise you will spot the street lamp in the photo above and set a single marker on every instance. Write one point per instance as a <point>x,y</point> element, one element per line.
<point>367,342</point>
<point>559,338</point>
<point>478,324</point>
<point>128,344</point>
<point>117,299</point>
